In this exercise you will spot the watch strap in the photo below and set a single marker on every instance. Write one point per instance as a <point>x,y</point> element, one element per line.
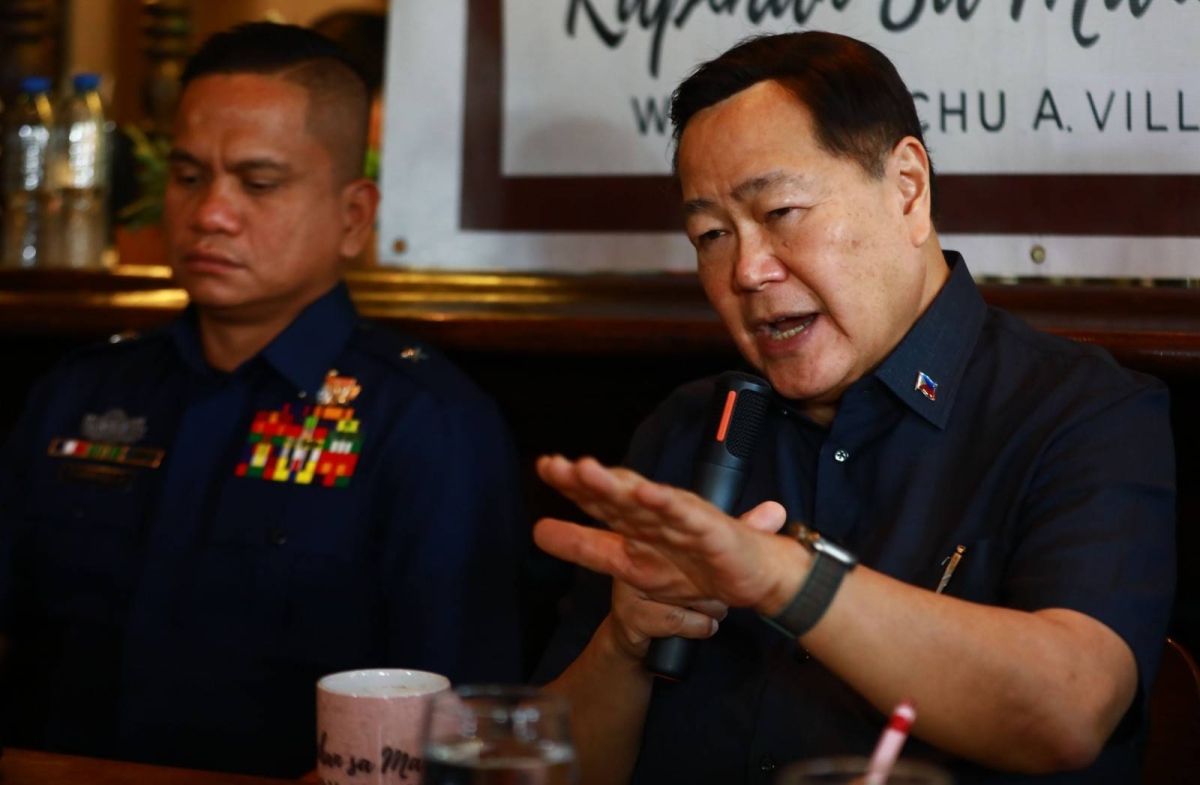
<point>814,597</point>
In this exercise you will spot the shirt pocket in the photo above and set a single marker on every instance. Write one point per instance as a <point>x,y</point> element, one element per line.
<point>279,519</point>
<point>978,575</point>
<point>291,561</point>
<point>85,522</point>
<point>332,610</point>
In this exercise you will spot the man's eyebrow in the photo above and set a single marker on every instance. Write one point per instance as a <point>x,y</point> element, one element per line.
<point>256,164</point>
<point>756,185</point>
<point>748,188</point>
<point>183,157</point>
<point>237,167</point>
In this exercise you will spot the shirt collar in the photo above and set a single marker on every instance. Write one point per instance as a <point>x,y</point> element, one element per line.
<point>185,334</point>
<point>926,368</point>
<point>303,353</point>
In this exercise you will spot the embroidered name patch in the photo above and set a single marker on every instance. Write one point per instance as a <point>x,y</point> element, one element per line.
<point>303,445</point>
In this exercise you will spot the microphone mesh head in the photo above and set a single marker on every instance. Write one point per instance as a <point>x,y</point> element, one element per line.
<point>749,416</point>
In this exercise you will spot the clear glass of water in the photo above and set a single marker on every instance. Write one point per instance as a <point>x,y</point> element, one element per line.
<point>853,771</point>
<point>498,735</point>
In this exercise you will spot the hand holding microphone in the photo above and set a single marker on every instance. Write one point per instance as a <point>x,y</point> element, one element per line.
<point>676,532</point>
<point>735,419</point>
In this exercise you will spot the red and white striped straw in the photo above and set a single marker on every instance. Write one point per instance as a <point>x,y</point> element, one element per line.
<point>890,742</point>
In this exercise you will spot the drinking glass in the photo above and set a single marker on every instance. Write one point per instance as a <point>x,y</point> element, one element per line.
<point>498,735</point>
<point>853,771</point>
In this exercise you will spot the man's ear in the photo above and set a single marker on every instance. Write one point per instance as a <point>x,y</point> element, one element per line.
<point>908,166</point>
<point>360,198</point>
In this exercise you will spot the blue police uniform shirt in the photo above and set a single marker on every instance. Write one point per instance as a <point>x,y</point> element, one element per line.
<point>1050,463</point>
<point>182,614</point>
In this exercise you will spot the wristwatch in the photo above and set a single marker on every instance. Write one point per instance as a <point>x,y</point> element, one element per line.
<point>830,564</point>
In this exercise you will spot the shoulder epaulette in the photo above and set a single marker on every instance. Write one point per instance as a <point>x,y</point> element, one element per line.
<point>116,343</point>
<point>416,359</point>
<point>395,348</point>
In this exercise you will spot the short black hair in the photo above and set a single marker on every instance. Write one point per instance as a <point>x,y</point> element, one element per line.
<point>363,36</point>
<point>264,48</point>
<point>860,106</point>
<point>337,89</point>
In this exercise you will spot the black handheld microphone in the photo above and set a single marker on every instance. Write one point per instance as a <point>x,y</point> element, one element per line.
<point>735,419</point>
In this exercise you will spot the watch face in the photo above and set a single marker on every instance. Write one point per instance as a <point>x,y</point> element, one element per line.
<point>810,538</point>
<point>835,551</point>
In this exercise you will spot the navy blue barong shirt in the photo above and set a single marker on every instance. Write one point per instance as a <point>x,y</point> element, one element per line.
<point>1052,466</point>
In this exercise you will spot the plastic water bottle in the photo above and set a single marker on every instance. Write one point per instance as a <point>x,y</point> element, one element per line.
<point>3,121</point>
<point>80,159</point>
<point>31,200</point>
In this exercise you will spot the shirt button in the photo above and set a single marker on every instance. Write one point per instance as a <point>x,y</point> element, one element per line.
<point>802,655</point>
<point>840,456</point>
<point>767,763</point>
<point>277,536</point>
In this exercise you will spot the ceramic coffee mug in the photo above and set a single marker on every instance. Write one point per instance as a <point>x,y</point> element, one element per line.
<point>369,725</point>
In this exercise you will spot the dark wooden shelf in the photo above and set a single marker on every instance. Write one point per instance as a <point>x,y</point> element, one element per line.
<point>1153,328</point>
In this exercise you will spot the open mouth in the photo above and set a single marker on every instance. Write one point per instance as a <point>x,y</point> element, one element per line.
<point>789,326</point>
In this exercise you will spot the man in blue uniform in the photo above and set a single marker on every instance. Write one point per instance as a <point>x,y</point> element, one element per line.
<point>990,509</point>
<point>197,523</point>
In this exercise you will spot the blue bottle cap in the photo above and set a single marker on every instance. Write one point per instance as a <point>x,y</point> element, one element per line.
<point>35,84</point>
<point>86,82</point>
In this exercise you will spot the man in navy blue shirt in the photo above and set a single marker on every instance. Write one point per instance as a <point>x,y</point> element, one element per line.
<point>197,523</point>
<point>989,509</point>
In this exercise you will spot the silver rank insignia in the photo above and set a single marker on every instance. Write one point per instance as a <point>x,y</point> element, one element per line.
<point>414,354</point>
<point>114,427</point>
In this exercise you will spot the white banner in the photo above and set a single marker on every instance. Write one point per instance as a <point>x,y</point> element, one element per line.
<point>586,86</point>
<point>560,92</point>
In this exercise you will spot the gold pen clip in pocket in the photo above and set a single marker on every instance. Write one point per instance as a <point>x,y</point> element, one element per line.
<point>951,563</point>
